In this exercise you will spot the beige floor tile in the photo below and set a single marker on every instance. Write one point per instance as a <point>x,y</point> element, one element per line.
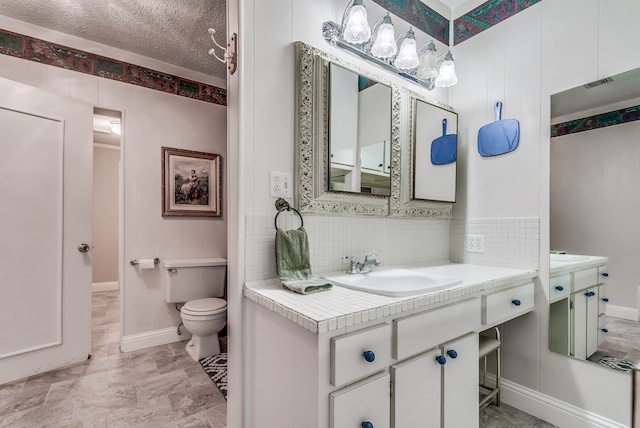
<point>197,420</point>
<point>160,385</point>
<point>217,416</point>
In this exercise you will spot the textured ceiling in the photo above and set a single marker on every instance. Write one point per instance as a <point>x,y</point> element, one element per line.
<point>171,31</point>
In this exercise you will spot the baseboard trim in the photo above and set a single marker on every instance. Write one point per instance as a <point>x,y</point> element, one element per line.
<point>550,409</point>
<point>623,312</point>
<point>97,287</point>
<point>134,342</point>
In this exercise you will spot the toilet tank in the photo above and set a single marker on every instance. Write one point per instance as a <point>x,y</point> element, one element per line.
<point>190,279</point>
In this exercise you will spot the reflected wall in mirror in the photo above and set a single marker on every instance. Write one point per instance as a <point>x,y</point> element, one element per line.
<point>434,154</point>
<point>359,133</point>
<point>594,212</point>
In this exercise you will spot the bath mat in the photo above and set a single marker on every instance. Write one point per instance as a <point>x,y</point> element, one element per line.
<point>616,363</point>
<point>216,368</point>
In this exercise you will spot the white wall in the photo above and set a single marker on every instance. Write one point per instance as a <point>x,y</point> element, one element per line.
<point>595,202</point>
<point>105,214</point>
<point>552,46</point>
<point>151,119</point>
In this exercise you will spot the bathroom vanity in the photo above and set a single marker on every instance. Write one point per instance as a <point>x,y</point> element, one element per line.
<point>577,298</point>
<point>343,357</point>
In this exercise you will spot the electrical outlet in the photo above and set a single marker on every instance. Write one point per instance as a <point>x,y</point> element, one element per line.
<point>280,184</point>
<point>475,243</point>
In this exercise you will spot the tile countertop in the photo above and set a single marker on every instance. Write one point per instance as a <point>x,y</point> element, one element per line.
<point>341,307</point>
<point>559,268</point>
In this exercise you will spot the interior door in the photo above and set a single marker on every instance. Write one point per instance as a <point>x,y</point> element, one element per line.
<point>46,164</point>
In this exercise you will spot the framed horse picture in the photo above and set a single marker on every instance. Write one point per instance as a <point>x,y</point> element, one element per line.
<point>191,183</point>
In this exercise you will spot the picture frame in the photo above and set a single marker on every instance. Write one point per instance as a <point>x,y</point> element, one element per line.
<point>191,183</point>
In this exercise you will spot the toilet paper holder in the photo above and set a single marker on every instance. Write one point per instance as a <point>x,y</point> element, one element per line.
<point>134,262</point>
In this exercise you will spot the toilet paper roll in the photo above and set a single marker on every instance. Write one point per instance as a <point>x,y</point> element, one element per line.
<point>146,264</point>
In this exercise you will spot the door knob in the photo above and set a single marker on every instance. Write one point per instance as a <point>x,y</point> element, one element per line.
<point>83,248</point>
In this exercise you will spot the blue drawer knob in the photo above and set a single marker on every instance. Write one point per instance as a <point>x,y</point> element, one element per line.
<point>441,360</point>
<point>452,353</point>
<point>379,165</point>
<point>605,274</point>
<point>605,299</point>
<point>367,424</point>
<point>369,356</point>
<point>331,154</point>
<point>559,287</point>
<point>590,293</point>
<point>605,330</point>
<point>516,302</point>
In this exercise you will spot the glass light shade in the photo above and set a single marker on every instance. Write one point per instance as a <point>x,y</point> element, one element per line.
<point>356,27</point>
<point>385,44</point>
<point>447,76</point>
<point>408,56</point>
<point>428,68</point>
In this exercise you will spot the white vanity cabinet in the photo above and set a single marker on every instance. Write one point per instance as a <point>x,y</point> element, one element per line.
<point>577,306</point>
<point>378,367</point>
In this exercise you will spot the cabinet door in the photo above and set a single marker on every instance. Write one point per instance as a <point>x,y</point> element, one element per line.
<point>579,324</point>
<point>372,156</point>
<point>365,401</point>
<point>417,396</point>
<point>460,383</point>
<point>592,321</point>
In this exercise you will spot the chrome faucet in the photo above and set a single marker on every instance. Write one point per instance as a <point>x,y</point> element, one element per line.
<point>364,267</point>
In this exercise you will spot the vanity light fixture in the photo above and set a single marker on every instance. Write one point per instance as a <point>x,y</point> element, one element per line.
<point>384,38</point>
<point>380,47</point>
<point>407,58</point>
<point>355,26</point>
<point>431,67</point>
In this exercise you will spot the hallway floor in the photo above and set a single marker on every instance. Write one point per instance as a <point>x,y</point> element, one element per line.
<point>155,387</point>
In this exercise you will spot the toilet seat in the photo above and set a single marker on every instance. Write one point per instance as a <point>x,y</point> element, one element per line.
<point>204,307</point>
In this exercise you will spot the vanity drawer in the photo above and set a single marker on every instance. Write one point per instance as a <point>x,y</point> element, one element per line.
<point>359,354</point>
<point>559,287</point>
<point>365,401</point>
<point>418,333</point>
<point>585,278</point>
<point>505,305</point>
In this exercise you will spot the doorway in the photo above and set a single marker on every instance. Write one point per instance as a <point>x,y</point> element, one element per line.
<point>106,281</point>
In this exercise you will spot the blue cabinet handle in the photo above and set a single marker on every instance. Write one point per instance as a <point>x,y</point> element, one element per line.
<point>516,302</point>
<point>605,274</point>
<point>369,356</point>
<point>559,287</point>
<point>590,294</point>
<point>452,353</point>
<point>604,330</point>
<point>605,299</point>
<point>441,360</point>
<point>367,424</point>
<point>331,154</point>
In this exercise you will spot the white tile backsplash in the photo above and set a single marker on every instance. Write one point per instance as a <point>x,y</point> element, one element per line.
<point>395,241</point>
<point>509,242</point>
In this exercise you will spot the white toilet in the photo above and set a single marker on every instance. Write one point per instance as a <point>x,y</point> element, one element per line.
<point>199,284</point>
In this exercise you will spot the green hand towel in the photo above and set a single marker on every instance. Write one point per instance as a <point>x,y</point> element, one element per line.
<point>307,286</point>
<point>292,255</point>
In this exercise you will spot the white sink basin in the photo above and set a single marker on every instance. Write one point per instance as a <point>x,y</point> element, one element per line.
<point>567,258</point>
<point>394,282</point>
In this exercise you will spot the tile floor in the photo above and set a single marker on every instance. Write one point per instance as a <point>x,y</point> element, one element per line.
<point>506,416</point>
<point>622,341</point>
<point>155,387</point>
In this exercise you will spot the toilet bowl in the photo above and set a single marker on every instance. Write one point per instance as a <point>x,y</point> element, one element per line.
<point>204,318</point>
<point>201,284</point>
